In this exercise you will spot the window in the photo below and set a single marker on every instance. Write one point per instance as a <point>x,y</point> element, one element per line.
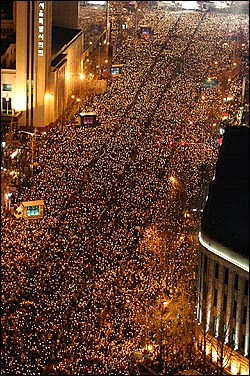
<point>246,288</point>
<point>204,290</point>
<point>216,271</point>
<point>244,316</point>
<point>214,323</point>
<point>225,303</point>
<point>205,264</point>
<point>234,309</point>
<point>215,297</point>
<point>226,276</point>
<point>236,281</point>
<point>7,87</point>
<point>242,342</point>
<point>6,104</point>
<point>232,340</point>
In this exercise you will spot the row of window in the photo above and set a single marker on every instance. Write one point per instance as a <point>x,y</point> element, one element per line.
<point>216,274</point>
<point>230,332</point>
<point>236,278</point>
<point>11,52</point>
<point>238,310</point>
<point>225,275</point>
<point>224,306</point>
<point>6,31</point>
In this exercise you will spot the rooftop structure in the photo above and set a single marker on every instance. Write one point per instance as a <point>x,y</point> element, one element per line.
<point>223,275</point>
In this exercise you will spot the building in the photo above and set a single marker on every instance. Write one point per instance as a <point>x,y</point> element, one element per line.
<point>42,57</point>
<point>223,273</point>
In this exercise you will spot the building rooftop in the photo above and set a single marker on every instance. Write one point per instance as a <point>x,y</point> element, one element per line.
<point>62,36</point>
<point>226,214</point>
<point>6,42</point>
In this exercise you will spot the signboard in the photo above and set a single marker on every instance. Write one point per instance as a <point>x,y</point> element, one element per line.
<point>40,30</point>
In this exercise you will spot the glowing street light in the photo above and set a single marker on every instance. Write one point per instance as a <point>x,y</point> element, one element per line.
<point>173,180</point>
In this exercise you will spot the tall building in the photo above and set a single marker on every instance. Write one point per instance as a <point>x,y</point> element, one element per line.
<point>41,60</point>
<point>223,275</point>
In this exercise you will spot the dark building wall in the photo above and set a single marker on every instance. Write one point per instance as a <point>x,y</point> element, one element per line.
<point>226,214</point>
<point>7,10</point>
<point>65,14</point>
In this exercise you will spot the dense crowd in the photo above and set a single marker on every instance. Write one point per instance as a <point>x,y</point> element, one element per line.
<point>77,283</point>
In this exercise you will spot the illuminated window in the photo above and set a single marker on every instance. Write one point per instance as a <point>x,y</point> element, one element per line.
<point>7,87</point>
<point>32,210</point>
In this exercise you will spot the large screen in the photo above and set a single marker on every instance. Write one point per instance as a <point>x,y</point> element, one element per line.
<point>32,210</point>
<point>116,70</point>
<point>88,119</point>
<point>145,30</point>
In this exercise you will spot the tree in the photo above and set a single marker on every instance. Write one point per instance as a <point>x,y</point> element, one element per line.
<point>216,339</point>
<point>224,352</point>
